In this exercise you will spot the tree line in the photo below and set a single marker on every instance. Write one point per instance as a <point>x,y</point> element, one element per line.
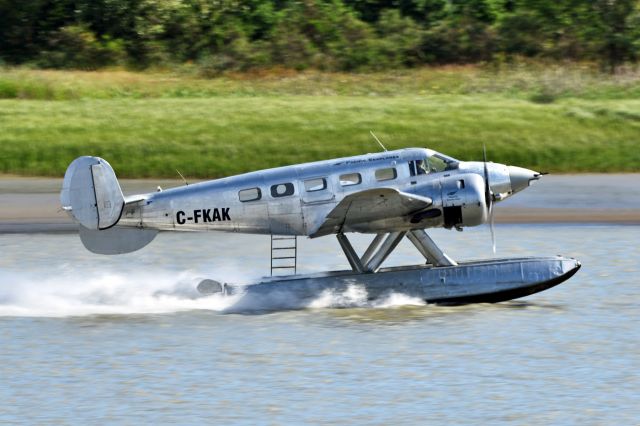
<point>345,35</point>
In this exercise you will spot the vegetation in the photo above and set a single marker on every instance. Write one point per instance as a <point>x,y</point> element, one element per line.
<point>557,119</point>
<point>337,35</point>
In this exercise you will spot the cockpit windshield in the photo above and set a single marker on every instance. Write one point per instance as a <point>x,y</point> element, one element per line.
<point>434,162</point>
<point>440,163</point>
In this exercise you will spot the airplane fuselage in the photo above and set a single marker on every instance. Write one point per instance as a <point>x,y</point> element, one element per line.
<point>296,199</point>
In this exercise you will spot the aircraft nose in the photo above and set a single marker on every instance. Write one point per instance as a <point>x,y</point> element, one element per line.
<point>521,178</point>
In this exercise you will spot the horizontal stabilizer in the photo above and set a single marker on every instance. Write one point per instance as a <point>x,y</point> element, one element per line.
<point>116,240</point>
<point>371,205</point>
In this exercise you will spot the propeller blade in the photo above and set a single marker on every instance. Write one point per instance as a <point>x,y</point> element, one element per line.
<point>488,196</point>
<point>487,187</point>
<point>493,231</point>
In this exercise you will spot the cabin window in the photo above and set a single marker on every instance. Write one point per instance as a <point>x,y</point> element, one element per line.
<point>317,184</point>
<point>282,190</point>
<point>350,179</point>
<point>251,194</point>
<point>386,174</point>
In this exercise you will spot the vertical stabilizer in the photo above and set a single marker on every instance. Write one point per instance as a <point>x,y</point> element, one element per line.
<point>91,193</point>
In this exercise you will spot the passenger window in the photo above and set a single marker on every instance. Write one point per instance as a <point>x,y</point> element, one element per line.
<point>386,174</point>
<point>350,179</point>
<point>317,184</point>
<point>252,194</point>
<point>282,190</point>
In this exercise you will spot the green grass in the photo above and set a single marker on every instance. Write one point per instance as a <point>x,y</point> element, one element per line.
<point>149,125</point>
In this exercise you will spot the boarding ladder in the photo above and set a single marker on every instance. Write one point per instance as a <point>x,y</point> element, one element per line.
<point>284,253</point>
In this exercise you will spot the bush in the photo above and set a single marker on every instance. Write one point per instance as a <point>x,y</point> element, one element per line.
<point>76,47</point>
<point>401,39</point>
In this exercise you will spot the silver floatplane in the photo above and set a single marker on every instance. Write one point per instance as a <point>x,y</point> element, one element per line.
<point>391,195</point>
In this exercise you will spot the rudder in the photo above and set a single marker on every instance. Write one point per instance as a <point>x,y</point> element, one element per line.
<point>91,193</point>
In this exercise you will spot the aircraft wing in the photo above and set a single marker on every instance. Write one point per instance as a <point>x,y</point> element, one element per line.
<point>371,205</point>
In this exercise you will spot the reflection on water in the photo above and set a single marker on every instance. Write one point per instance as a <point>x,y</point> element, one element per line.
<point>93,340</point>
<point>412,312</point>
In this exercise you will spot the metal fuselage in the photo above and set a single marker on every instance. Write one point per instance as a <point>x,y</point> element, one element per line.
<point>296,199</point>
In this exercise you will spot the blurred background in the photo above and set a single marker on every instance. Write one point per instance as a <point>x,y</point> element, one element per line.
<point>202,86</point>
<point>331,35</point>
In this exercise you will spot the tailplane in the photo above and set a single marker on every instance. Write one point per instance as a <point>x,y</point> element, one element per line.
<point>92,196</point>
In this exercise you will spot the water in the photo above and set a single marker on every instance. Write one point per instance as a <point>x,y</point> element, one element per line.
<point>88,339</point>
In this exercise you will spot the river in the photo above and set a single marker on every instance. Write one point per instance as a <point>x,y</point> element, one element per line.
<point>88,339</point>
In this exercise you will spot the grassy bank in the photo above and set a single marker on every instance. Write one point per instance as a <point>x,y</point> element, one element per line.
<point>537,82</point>
<point>148,125</point>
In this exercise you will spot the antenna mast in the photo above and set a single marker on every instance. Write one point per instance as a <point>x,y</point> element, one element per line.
<point>377,140</point>
<point>185,181</point>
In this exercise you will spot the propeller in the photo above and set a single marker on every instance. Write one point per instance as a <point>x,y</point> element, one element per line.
<point>488,197</point>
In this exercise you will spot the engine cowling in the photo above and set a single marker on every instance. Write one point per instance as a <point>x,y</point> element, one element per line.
<point>463,201</point>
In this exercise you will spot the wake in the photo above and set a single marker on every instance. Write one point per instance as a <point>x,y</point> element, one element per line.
<point>81,293</point>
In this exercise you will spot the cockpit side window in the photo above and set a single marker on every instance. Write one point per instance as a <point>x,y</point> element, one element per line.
<point>418,167</point>
<point>421,167</point>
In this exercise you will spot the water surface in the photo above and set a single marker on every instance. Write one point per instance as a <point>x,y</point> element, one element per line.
<point>90,339</point>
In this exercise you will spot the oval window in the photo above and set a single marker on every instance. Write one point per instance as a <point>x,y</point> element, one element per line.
<point>282,189</point>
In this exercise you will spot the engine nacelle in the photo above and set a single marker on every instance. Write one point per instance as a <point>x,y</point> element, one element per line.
<point>463,201</point>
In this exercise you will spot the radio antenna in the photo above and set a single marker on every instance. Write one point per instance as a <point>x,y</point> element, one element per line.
<point>185,181</point>
<point>377,140</point>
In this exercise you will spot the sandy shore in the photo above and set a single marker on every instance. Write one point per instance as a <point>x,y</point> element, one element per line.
<point>30,205</point>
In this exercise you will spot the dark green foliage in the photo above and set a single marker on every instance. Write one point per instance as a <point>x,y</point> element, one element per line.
<point>231,35</point>
<point>77,47</point>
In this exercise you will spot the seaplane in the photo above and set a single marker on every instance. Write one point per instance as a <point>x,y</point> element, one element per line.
<point>390,195</point>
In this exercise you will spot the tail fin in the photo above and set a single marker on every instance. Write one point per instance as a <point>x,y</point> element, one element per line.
<point>91,194</point>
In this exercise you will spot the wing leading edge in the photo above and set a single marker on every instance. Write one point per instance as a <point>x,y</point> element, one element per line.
<point>371,205</point>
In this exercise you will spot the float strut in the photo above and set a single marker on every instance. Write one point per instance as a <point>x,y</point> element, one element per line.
<point>429,249</point>
<point>387,247</point>
<point>352,257</point>
<point>377,240</point>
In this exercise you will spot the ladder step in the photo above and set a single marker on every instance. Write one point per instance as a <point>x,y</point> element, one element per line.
<point>288,250</point>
